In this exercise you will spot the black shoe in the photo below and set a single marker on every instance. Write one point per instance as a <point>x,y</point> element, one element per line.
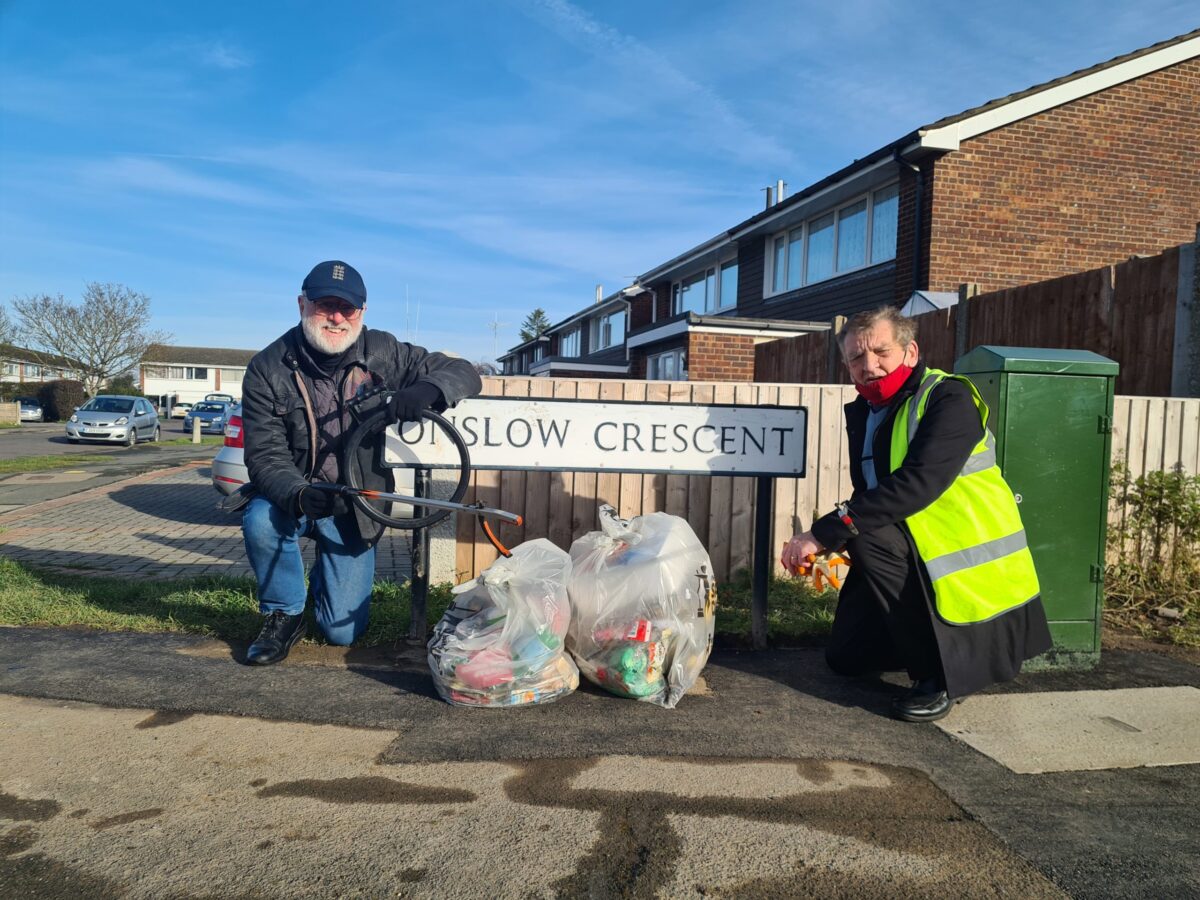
<point>279,632</point>
<point>926,701</point>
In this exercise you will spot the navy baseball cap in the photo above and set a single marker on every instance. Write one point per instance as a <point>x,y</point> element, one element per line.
<point>334,278</point>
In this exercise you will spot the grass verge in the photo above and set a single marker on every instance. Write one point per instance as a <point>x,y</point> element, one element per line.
<point>41,463</point>
<point>227,608</point>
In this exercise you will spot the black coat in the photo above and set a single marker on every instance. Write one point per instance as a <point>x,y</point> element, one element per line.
<point>280,440</point>
<point>972,656</point>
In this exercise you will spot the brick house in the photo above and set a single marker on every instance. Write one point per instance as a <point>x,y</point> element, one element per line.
<point>20,365</point>
<point>1082,171</point>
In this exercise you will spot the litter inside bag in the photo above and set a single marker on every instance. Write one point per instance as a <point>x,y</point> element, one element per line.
<point>643,605</point>
<point>501,642</point>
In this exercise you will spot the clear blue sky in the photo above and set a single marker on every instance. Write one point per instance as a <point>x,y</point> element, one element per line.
<point>480,158</point>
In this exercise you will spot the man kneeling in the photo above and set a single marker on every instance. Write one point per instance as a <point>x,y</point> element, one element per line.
<point>295,416</point>
<point>941,579</point>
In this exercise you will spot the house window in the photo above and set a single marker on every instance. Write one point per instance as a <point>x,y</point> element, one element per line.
<point>856,234</point>
<point>539,352</point>
<point>156,371</point>
<point>568,344</point>
<point>707,291</point>
<point>884,214</point>
<point>12,368</point>
<point>666,366</point>
<point>32,370</point>
<point>232,376</point>
<point>609,329</point>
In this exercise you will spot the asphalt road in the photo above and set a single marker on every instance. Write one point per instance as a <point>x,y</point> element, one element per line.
<point>340,773</point>
<point>118,463</point>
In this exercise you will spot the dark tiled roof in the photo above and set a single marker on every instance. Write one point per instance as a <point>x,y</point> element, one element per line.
<point>1074,76</point>
<point>20,354</point>
<point>210,356</point>
<point>913,135</point>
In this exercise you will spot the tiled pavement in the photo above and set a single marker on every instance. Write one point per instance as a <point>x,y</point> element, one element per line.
<point>164,524</point>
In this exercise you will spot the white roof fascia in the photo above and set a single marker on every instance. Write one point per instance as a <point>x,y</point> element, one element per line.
<point>949,136</point>
<point>580,367</point>
<point>680,261</point>
<point>753,332</point>
<point>679,326</point>
<point>809,201</point>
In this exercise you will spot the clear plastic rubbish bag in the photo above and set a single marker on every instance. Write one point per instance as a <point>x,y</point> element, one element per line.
<point>501,641</point>
<point>643,603</point>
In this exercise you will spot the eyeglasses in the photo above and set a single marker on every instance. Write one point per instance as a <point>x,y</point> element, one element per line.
<point>328,308</point>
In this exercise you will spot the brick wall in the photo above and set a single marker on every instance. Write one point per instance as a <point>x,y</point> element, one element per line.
<point>720,357</point>
<point>1086,184</point>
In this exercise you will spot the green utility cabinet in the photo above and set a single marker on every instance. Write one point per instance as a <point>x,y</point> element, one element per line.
<point>1051,414</point>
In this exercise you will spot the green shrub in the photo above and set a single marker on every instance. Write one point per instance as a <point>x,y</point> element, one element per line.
<point>1154,545</point>
<point>60,398</point>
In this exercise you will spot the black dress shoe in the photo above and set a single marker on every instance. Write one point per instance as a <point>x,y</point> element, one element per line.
<point>279,632</point>
<point>926,701</point>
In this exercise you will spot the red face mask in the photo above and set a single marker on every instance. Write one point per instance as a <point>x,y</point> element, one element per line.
<point>877,393</point>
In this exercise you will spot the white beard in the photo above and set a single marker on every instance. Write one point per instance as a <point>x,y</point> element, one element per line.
<point>330,338</point>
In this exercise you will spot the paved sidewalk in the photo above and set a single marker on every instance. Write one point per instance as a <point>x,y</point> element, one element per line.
<point>163,524</point>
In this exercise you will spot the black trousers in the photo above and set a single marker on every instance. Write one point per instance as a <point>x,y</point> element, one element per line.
<point>883,619</point>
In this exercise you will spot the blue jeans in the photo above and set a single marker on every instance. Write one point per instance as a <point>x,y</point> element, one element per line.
<point>341,578</point>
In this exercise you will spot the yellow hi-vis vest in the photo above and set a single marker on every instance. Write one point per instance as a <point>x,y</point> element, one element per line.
<point>970,538</point>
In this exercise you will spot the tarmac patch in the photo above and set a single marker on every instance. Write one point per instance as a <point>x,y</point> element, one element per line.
<point>1073,731</point>
<point>48,477</point>
<point>366,790</point>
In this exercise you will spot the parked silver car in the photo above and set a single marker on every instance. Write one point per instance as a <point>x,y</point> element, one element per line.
<point>115,419</point>
<point>229,466</point>
<point>31,410</point>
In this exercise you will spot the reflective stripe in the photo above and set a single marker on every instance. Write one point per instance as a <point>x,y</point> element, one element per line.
<point>994,615</point>
<point>977,462</point>
<point>914,403</point>
<point>969,557</point>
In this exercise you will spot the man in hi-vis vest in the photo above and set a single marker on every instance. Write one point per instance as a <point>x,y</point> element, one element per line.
<point>941,579</point>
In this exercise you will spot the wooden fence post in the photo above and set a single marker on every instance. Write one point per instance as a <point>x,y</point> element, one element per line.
<point>833,360</point>
<point>962,318</point>
<point>1185,362</point>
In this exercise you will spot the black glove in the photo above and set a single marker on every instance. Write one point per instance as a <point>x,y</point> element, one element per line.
<point>406,404</point>
<point>317,504</point>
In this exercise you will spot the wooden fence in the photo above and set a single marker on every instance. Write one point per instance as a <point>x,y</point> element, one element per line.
<point>1125,312</point>
<point>1148,433</point>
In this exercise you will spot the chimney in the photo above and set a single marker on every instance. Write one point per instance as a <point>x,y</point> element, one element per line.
<point>770,193</point>
<point>780,188</point>
<point>599,292</point>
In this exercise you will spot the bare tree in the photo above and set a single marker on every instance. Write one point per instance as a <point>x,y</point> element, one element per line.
<point>102,336</point>
<point>7,329</point>
<point>485,368</point>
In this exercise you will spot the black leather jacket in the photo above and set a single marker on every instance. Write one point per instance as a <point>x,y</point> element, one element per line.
<point>280,425</point>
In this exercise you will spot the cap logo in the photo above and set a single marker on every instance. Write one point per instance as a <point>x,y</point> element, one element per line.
<point>339,273</point>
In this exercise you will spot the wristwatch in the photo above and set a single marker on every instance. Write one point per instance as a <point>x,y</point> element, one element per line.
<point>843,512</point>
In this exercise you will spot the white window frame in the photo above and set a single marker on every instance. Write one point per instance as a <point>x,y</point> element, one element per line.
<point>718,302</point>
<point>804,229</point>
<point>570,336</point>
<point>233,376</point>
<point>654,362</point>
<point>598,327</point>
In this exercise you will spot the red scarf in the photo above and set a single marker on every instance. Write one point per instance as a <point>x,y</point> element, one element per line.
<point>878,393</point>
